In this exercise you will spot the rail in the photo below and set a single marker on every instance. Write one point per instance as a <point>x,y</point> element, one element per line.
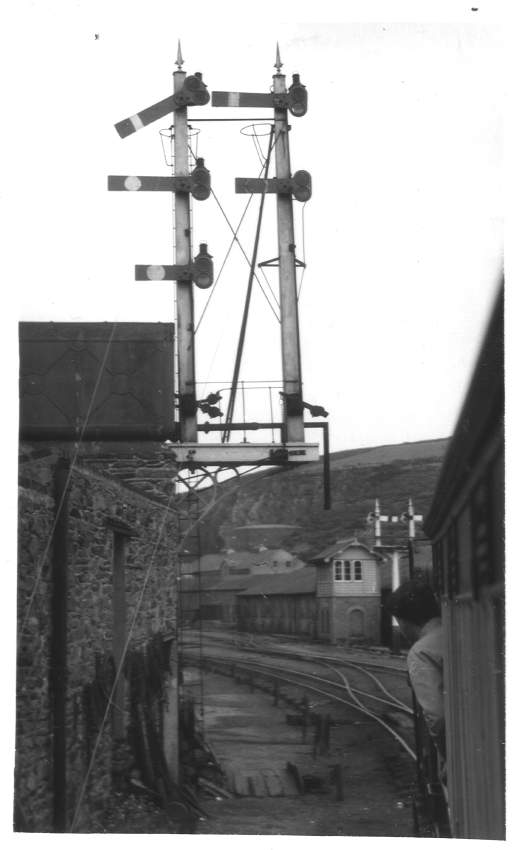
<point>229,665</point>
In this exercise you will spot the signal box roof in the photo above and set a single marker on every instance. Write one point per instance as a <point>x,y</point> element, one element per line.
<point>339,547</point>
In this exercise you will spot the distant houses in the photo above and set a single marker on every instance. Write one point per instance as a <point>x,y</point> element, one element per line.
<point>254,535</point>
<point>211,584</point>
<point>337,596</point>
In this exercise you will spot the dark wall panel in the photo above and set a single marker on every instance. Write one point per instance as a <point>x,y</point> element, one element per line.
<point>96,379</point>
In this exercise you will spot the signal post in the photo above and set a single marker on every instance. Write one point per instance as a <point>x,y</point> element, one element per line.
<point>410,519</point>
<point>290,344</point>
<point>192,91</point>
<point>185,306</point>
<point>285,186</point>
<point>184,452</point>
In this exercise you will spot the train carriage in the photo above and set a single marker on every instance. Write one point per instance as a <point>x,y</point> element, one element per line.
<point>466,526</point>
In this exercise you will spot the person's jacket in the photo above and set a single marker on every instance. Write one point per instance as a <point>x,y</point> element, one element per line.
<point>425,666</point>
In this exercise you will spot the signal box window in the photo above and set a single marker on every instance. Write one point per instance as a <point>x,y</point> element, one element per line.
<point>337,567</point>
<point>347,571</point>
<point>358,571</point>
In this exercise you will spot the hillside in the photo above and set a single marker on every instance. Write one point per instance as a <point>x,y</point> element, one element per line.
<point>294,496</point>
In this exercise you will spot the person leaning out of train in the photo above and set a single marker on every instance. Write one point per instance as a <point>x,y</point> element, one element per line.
<point>417,612</point>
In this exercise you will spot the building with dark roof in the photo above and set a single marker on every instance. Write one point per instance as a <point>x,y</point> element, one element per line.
<point>273,591</point>
<point>279,604</point>
<point>348,592</point>
<point>210,585</point>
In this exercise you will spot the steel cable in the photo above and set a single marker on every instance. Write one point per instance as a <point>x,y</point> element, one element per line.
<point>72,465</point>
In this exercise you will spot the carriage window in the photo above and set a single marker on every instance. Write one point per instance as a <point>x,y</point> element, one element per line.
<point>337,570</point>
<point>347,571</point>
<point>358,571</point>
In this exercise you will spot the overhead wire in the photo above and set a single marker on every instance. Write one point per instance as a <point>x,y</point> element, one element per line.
<point>241,340</point>
<point>151,563</point>
<point>248,261</point>
<point>304,250</point>
<point>72,465</point>
<point>195,524</point>
<point>41,564</point>
<point>257,146</point>
<point>206,305</point>
<point>236,239</point>
<point>120,667</point>
<point>262,159</point>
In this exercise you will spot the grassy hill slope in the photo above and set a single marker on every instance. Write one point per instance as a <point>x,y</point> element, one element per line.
<point>294,495</point>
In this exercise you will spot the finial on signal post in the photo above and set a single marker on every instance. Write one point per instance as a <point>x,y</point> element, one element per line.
<point>180,60</point>
<point>278,64</point>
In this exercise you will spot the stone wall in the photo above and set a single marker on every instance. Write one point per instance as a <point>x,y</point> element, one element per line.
<point>33,757</point>
<point>150,599</point>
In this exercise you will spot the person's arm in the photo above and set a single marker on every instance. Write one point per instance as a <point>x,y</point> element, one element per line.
<point>426,677</point>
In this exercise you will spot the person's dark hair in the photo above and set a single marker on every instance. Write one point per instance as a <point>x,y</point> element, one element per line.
<point>413,601</point>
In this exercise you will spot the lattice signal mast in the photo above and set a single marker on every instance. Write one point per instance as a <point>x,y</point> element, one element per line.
<point>192,91</point>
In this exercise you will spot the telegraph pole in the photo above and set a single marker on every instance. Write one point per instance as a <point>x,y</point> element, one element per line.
<point>409,517</point>
<point>412,519</point>
<point>377,518</point>
<point>185,306</point>
<point>290,345</point>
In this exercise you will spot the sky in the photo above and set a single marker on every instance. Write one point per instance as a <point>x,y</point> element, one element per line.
<point>402,238</point>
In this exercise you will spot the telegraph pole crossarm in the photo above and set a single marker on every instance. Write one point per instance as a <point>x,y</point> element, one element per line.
<point>411,518</point>
<point>375,517</point>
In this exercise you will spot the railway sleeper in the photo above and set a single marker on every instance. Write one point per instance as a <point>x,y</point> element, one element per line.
<point>313,719</point>
<point>307,783</point>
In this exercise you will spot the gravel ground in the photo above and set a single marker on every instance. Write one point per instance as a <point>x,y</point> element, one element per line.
<point>378,779</point>
<point>127,812</point>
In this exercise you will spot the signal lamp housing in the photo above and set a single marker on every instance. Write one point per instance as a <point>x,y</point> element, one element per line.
<point>195,87</point>
<point>302,186</point>
<point>203,268</point>
<point>200,181</point>
<point>193,92</point>
<point>297,97</point>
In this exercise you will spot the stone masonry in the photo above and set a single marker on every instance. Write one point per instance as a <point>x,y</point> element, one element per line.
<point>150,570</point>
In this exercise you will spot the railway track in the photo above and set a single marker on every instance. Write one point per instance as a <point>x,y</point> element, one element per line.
<point>268,645</point>
<point>376,702</point>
